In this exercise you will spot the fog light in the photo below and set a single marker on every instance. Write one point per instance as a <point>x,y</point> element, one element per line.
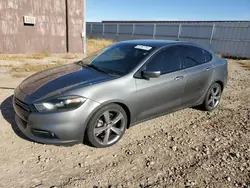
<point>43,134</point>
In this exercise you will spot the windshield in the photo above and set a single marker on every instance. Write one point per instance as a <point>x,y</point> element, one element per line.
<point>118,59</point>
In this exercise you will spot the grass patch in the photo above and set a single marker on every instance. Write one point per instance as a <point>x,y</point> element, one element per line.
<point>94,45</point>
<point>69,56</point>
<point>18,75</point>
<point>21,57</point>
<point>46,53</point>
<point>35,56</point>
<point>245,64</point>
<point>32,67</point>
<point>6,66</point>
<point>232,57</point>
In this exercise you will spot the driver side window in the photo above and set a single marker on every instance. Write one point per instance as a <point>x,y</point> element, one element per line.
<point>168,60</point>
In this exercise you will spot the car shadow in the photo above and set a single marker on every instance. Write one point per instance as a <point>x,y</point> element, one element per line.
<point>10,88</point>
<point>8,114</point>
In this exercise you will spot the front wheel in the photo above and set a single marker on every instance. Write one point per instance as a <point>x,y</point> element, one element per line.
<point>107,126</point>
<point>213,97</point>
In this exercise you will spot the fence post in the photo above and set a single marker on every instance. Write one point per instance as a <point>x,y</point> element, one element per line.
<point>91,29</point>
<point>154,31</point>
<point>133,31</point>
<point>117,31</point>
<point>212,34</point>
<point>103,30</point>
<point>179,32</point>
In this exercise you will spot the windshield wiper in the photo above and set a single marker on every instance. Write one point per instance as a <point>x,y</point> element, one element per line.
<point>96,68</point>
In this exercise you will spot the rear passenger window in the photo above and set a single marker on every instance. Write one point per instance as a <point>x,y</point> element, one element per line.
<point>208,56</point>
<point>196,56</point>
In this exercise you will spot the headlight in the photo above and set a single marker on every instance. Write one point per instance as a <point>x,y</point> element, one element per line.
<point>65,103</point>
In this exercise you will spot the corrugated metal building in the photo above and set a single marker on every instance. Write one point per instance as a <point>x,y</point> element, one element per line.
<point>230,38</point>
<point>32,26</point>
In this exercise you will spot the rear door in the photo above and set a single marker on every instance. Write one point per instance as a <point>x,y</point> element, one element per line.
<point>199,72</point>
<point>156,96</point>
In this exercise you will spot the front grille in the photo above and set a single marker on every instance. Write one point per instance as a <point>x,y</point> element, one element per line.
<point>22,109</point>
<point>22,105</point>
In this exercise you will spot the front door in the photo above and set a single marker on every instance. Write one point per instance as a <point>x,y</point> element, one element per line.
<point>156,96</point>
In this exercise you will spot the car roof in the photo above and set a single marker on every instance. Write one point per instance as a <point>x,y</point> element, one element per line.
<point>161,43</point>
<point>154,42</point>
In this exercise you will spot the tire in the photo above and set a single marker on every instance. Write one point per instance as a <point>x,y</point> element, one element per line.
<point>212,98</point>
<point>107,126</point>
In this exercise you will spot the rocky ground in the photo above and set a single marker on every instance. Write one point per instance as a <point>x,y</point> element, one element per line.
<point>189,148</point>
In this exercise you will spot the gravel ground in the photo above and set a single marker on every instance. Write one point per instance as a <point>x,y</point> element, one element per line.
<point>189,148</point>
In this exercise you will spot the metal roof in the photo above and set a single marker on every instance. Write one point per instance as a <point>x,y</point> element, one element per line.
<point>167,21</point>
<point>150,42</point>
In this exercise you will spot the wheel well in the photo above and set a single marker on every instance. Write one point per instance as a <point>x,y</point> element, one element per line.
<point>221,84</point>
<point>127,112</point>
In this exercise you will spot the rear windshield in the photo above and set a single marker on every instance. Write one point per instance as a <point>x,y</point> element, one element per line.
<point>120,58</point>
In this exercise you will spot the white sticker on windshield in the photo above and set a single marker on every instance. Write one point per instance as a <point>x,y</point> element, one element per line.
<point>142,47</point>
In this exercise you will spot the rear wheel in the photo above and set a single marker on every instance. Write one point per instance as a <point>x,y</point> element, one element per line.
<point>107,126</point>
<point>213,97</point>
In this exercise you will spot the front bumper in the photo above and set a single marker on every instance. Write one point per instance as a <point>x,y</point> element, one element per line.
<point>55,128</point>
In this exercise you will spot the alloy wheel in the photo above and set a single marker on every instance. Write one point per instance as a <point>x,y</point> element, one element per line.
<point>214,96</point>
<point>109,127</point>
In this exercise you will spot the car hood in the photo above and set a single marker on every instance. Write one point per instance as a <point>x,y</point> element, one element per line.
<point>59,79</point>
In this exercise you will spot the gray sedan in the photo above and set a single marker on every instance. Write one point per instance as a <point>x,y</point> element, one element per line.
<point>98,98</point>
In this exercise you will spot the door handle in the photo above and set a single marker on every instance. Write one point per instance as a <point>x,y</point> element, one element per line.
<point>179,78</point>
<point>208,68</point>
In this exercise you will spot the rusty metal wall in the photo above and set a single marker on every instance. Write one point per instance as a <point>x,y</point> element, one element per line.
<point>222,37</point>
<point>49,31</point>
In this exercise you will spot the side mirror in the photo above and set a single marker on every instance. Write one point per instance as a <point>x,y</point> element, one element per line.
<point>151,74</point>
